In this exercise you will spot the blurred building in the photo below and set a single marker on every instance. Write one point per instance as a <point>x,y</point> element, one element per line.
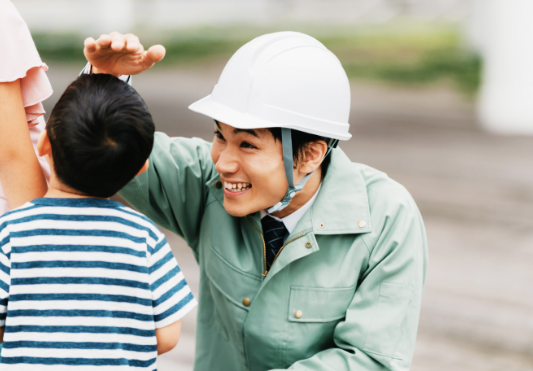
<point>100,16</point>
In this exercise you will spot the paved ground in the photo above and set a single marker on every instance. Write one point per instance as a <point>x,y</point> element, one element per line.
<point>475,191</point>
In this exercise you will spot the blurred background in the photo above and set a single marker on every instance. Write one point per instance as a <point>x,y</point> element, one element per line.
<point>442,101</point>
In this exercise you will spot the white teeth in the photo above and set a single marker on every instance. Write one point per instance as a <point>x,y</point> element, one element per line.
<point>235,187</point>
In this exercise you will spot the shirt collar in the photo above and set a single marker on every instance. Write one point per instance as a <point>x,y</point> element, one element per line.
<point>292,220</point>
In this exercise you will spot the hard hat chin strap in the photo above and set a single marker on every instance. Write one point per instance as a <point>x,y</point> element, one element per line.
<point>288,162</point>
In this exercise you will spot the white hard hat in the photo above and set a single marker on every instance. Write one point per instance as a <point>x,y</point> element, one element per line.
<point>286,80</point>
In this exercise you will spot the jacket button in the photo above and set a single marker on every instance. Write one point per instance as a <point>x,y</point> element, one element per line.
<point>218,184</point>
<point>321,225</point>
<point>361,224</point>
<point>298,314</point>
<point>308,245</point>
<point>246,302</point>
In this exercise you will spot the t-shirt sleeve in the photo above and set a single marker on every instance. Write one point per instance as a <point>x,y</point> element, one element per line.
<point>20,60</point>
<point>171,296</point>
<point>5,279</point>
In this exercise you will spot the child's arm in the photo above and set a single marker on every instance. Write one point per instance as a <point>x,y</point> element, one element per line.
<point>21,175</point>
<point>171,296</point>
<point>3,328</point>
<point>168,337</point>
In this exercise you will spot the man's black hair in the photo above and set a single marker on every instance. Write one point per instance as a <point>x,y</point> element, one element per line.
<point>300,140</point>
<point>101,134</point>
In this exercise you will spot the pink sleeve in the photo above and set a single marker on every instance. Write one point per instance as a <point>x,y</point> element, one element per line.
<point>20,60</point>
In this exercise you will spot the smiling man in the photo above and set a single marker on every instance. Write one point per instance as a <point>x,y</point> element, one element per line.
<point>308,261</point>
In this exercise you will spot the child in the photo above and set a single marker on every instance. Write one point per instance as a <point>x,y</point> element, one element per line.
<point>23,86</point>
<point>85,281</point>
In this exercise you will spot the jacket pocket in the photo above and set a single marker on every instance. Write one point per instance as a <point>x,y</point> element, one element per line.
<point>313,315</point>
<point>385,331</point>
<point>316,304</point>
<point>234,284</point>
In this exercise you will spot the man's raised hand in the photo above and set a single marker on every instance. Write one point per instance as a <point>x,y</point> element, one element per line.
<point>118,54</point>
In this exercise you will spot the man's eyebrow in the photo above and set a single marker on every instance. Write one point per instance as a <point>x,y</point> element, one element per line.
<point>249,131</point>
<point>237,131</point>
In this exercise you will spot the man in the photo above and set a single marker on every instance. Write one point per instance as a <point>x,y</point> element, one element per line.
<point>307,260</point>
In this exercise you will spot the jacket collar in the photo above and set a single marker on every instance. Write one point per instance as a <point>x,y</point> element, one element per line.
<point>342,203</point>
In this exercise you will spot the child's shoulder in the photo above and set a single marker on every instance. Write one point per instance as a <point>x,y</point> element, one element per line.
<point>141,220</point>
<point>16,214</point>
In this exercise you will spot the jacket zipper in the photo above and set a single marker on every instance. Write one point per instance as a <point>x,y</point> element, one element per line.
<point>264,247</point>
<point>285,244</point>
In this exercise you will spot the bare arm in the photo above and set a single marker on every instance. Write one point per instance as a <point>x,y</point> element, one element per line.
<point>2,334</point>
<point>168,337</point>
<point>21,175</point>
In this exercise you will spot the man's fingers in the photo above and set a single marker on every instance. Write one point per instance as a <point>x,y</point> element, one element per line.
<point>132,43</point>
<point>118,42</point>
<point>104,41</point>
<point>155,54</point>
<point>90,45</point>
<point>115,33</point>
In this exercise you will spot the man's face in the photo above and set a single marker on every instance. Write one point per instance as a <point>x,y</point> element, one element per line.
<point>250,164</point>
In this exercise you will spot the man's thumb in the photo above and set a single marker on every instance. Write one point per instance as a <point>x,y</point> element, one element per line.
<point>155,53</point>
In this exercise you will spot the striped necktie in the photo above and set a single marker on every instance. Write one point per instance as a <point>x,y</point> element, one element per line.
<point>274,233</point>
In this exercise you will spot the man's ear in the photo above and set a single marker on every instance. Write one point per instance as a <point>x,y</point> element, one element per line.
<point>144,168</point>
<point>43,145</point>
<point>313,155</point>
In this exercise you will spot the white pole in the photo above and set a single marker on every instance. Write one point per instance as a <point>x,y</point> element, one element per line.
<point>506,97</point>
<point>476,25</point>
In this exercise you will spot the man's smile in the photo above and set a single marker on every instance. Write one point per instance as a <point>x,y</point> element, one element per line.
<point>236,188</point>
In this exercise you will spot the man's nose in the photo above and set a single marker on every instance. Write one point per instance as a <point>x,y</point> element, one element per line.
<point>227,162</point>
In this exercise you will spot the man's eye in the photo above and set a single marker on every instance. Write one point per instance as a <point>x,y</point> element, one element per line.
<point>247,145</point>
<point>218,134</point>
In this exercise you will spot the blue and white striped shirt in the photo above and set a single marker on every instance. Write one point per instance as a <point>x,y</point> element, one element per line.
<point>85,283</point>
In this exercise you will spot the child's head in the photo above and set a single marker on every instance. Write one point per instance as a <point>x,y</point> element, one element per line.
<point>101,134</point>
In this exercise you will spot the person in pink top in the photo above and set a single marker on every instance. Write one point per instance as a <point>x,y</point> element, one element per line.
<point>23,86</point>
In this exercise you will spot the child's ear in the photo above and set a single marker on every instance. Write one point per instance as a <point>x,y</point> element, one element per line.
<point>43,145</point>
<point>144,168</point>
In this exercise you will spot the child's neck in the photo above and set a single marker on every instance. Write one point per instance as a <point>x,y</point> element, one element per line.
<point>56,189</point>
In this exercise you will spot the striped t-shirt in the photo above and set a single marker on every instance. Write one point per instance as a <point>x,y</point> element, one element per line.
<point>84,283</point>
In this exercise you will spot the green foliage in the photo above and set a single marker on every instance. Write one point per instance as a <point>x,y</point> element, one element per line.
<point>409,59</point>
<point>197,50</point>
<point>66,48</point>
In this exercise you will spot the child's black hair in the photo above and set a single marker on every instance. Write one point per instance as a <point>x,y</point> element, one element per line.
<point>101,134</point>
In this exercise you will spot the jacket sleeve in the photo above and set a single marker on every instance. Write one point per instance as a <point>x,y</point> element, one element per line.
<point>379,330</point>
<point>172,192</point>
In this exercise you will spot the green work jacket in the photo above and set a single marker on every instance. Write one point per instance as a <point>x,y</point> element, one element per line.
<point>343,294</point>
